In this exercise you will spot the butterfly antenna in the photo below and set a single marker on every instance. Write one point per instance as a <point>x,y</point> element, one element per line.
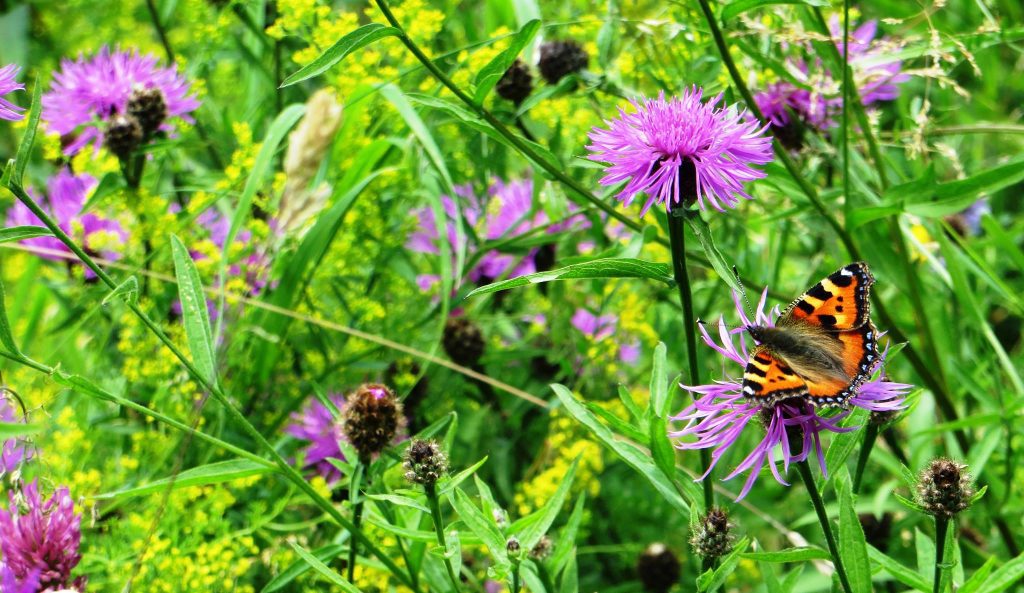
<point>743,292</point>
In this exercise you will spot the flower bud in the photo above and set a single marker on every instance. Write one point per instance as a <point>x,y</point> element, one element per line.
<point>463,341</point>
<point>516,83</point>
<point>512,546</point>
<point>543,548</point>
<point>658,568</point>
<point>425,462</point>
<point>149,108</point>
<point>711,537</point>
<point>559,59</point>
<point>123,135</point>
<point>372,417</point>
<point>944,488</point>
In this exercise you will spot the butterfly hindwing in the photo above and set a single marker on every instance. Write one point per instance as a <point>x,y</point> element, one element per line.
<point>859,357</point>
<point>767,378</point>
<point>839,302</point>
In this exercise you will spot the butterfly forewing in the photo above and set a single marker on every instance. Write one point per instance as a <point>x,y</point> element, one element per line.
<point>839,302</point>
<point>768,379</point>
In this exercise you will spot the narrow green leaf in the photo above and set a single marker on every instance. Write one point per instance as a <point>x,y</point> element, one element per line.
<point>6,334</point>
<point>483,527</point>
<point>127,290</point>
<point>25,148</point>
<point>449,484</point>
<point>18,233</point>
<point>738,7</point>
<point>973,584</point>
<point>790,555</point>
<point>600,268</point>
<point>403,501</point>
<point>194,311</point>
<point>547,513</point>
<point>630,404</point>
<point>326,571</point>
<point>570,582</point>
<point>659,381</point>
<point>1005,576</point>
<point>725,568</point>
<point>490,74</point>
<point>852,544</point>
<point>947,198</point>
<point>10,430</point>
<point>400,101</point>
<point>357,39</point>
<point>300,567</point>
<point>565,543</point>
<point>898,571</point>
<point>722,268</point>
<point>662,451</point>
<point>213,473</point>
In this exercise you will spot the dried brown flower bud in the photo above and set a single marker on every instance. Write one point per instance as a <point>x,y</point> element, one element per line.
<point>123,135</point>
<point>658,568</point>
<point>516,83</point>
<point>559,59</point>
<point>944,488</point>
<point>149,108</point>
<point>372,417</point>
<point>425,462</point>
<point>463,341</point>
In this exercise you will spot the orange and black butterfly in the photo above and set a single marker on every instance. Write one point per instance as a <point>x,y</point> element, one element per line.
<point>821,348</point>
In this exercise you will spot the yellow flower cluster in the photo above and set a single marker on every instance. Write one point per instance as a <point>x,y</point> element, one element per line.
<point>567,440</point>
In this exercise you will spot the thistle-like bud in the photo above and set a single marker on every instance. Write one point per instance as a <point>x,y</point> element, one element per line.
<point>944,488</point>
<point>149,108</point>
<point>516,83</point>
<point>711,537</point>
<point>463,341</point>
<point>882,419</point>
<point>513,546</point>
<point>425,462</point>
<point>559,59</point>
<point>372,417</point>
<point>658,568</point>
<point>123,135</point>
<point>543,548</point>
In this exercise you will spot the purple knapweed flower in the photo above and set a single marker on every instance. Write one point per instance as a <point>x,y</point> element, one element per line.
<point>88,92</point>
<point>12,451</point>
<point>41,539</point>
<point>601,328</point>
<point>65,197</point>
<point>9,84</point>
<point>720,413</point>
<point>876,75</point>
<point>682,149</point>
<point>323,431</point>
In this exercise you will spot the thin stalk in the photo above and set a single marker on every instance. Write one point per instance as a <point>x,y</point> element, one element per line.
<point>289,472</point>
<point>357,516</point>
<point>389,515</point>
<point>438,520</point>
<point>819,508</point>
<point>677,239</point>
<point>941,527</point>
<point>870,435</point>
<point>845,132</point>
<point>515,577</point>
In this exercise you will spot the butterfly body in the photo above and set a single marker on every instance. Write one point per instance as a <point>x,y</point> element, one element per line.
<point>822,347</point>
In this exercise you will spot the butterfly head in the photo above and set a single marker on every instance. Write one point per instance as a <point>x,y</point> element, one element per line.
<point>760,333</point>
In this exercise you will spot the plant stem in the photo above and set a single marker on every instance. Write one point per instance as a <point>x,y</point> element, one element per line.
<point>819,508</point>
<point>515,577</point>
<point>357,516</point>
<point>677,238</point>
<point>438,520</point>
<point>941,527</point>
<point>870,435</point>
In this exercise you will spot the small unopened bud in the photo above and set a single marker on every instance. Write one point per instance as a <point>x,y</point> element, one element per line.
<point>516,83</point>
<point>425,462</point>
<point>944,488</point>
<point>543,548</point>
<point>149,108</point>
<point>559,59</point>
<point>711,537</point>
<point>658,568</point>
<point>372,417</point>
<point>882,419</point>
<point>512,546</point>
<point>500,518</point>
<point>463,341</point>
<point>123,135</point>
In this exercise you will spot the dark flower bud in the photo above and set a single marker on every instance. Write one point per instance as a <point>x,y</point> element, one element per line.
<point>516,83</point>
<point>944,488</point>
<point>149,108</point>
<point>463,341</point>
<point>425,462</point>
<point>710,537</point>
<point>882,419</point>
<point>658,568</point>
<point>543,548</point>
<point>561,58</point>
<point>512,546</point>
<point>372,417</point>
<point>123,135</point>
<point>876,531</point>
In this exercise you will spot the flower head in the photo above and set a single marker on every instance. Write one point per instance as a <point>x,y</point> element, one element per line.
<point>681,150</point>
<point>9,582</point>
<point>40,539</point>
<point>317,425</point>
<point>793,427</point>
<point>559,59</point>
<point>876,75</point>
<point>658,568</point>
<point>12,451</point>
<point>372,418</point>
<point>944,488</point>
<point>89,92</point>
<point>425,462</point>
<point>9,84</point>
<point>602,328</point>
<point>711,537</point>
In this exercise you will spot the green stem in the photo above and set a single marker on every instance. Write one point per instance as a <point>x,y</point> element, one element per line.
<point>357,516</point>
<point>545,577</point>
<point>870,435</point>
<point>941,527</point>
<point>515,576</point>
<point>438,520</point>
<point>290,473</point>
<point>819,508</point>
<point>677,238</point>
<point>413,574</point>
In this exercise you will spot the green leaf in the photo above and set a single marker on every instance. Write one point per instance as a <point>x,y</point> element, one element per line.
<point>565,543</point>
<point>483,527</point>
<point>631,454</point>
<point>401,103</point>
<point>700,228</point>
<point>355,40</point>
<point>901,573</point>
<point>449,484</point>
<point>852,544</point>
<point>600,268</point>
<point>324,570</point>
<point>738,7</point>
<point>790,555</point>
<point>844,443</point>
<point>710,581</point>
<point>490,74</point>
<point>403,501</point>
<point>18,233</point>
<point>128,290</point>
<point>1005,576</point>
<point>25,148</point>
<point>534,530</point>
<point>973,584</point>
<point>942,199</point>
<point>659,381</point>
<point>213,473</point>
<point>662,451</point>
<point>194,311</point>
<point>10,430</point>
<point>630,404</point>
<point>300,567</point>
<point>6,334</point>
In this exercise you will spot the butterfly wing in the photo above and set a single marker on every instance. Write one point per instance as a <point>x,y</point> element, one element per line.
<point>768,378</point>
<point>859,357</point>
<point>837,303</point>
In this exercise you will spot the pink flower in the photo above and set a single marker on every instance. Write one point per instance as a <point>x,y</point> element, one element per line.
<point>41,539</point>
<point>9,84</point>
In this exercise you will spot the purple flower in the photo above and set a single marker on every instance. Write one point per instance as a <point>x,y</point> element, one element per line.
<point>40,539</point>
<point>9,582</point>
<point>12,451</point>
<point>876,76</point>
<point>87,93</point>
<point>720,413</point>
<point>66,196</point>
<point>681,149</point>
<point>8,84</point>
<point>601,328</point>
<point>318,425</point>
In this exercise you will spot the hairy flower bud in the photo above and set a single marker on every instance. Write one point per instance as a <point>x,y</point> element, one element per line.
<point>147,105</point>
<point>463,341</point>
<point>711,537</point>
<point>425,462</point>
<point>516,83</point>
<point>658,568</point>
<point>513,546</point>
<point>372,417</point>
<point>123,135</point>
<point>944,488</point>
<point>542,549</point>
<point>559,59</point>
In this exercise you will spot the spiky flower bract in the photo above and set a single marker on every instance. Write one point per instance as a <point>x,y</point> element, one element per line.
<point>720,413</point>
<point>681,150</point>
<point>41,538</point>
<point>9,84</point>
<point>88,92</point>
<point>318,425</point>
<point>944,488</point>
<point>372,418</point>
<point>711,537</point>
<point>424,462</point>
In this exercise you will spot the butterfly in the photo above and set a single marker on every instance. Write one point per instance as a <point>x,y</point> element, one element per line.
<point>822,347</point>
